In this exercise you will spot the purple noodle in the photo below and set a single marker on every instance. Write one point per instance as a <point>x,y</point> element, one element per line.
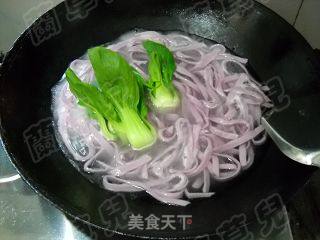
<point>211,138</point>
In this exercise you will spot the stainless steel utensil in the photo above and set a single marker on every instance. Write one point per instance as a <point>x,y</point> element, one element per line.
<point>296,129</point>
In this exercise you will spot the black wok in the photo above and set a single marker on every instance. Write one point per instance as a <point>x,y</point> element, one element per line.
<point>32,68</point>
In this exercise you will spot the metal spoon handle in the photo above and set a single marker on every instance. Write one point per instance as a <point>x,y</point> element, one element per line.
<point>304,156</point>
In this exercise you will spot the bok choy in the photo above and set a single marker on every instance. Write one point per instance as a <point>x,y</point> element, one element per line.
<point>117,101</point>
<point>161,68</point>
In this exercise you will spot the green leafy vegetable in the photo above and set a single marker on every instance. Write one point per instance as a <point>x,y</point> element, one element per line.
<point>161,71</point>
<point>142,106</point>
<point>118,102</point>
<point>92,99</point>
